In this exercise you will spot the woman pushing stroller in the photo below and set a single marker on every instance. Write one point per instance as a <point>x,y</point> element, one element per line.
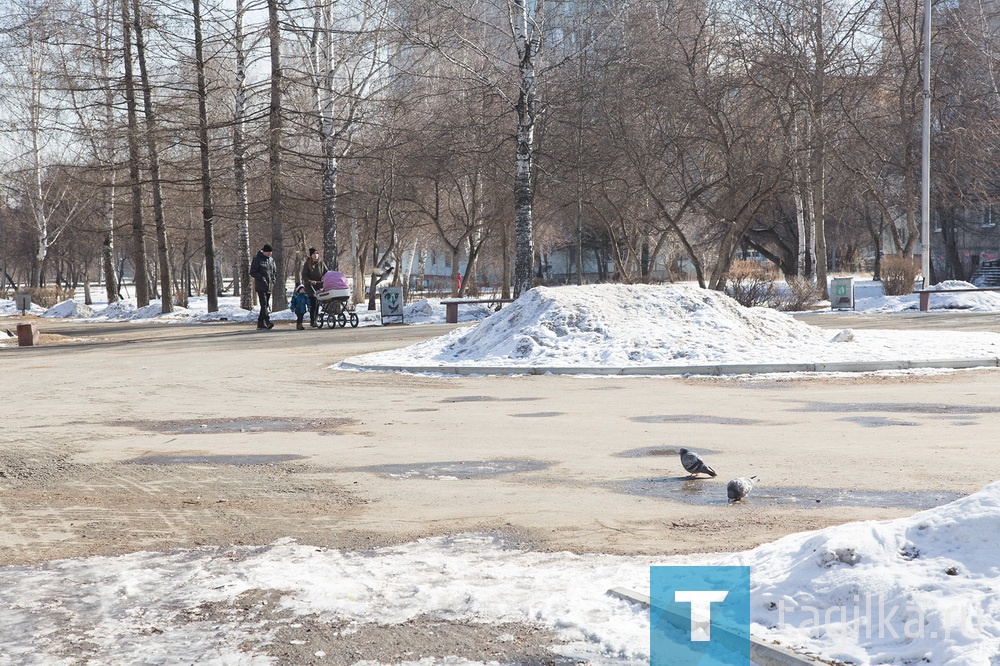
<point>312,278</point>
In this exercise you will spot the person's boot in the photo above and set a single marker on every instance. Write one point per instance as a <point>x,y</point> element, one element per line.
<point>299,326</point>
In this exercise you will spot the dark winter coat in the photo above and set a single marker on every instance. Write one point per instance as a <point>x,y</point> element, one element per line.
<point>262,270</point>
<point>312,272</point>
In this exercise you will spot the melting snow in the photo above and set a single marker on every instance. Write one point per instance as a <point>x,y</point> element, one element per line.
<point>671,325</point>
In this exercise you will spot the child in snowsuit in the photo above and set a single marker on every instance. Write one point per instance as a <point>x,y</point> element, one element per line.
<point>299,305</point>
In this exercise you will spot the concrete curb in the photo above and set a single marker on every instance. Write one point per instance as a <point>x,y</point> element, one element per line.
<point>672,370</point>
<point>761,653</point>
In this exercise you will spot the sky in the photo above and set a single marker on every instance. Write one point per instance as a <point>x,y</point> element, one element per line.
<point>919,589</point>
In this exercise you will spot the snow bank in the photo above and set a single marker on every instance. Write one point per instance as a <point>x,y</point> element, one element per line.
<point>614,325</point>
<point>69,310</point>
<point>921,589</point>
<point>113,602</point>
<point>431,311</point>
<point>9,308</point>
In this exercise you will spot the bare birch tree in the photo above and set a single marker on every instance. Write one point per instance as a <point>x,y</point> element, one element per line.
<point>240,159</point>
<point>207,207</point>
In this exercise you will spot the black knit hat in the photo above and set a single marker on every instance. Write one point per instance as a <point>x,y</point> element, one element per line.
<point>267,248</point>
<point>313,251</point>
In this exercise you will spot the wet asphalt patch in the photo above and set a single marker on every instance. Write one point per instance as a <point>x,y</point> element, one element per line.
<point>709,492</point>
<point>659,451</point>
<point>929,409</point>
<point>538,415</point>
<point>877,421</point>
<point>486,398</point>
<point>459,469</point>
<point>696,418</point>
<point>238,460</point>
<point>236,425</point>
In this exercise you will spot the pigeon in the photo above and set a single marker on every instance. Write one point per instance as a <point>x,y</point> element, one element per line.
<point>740,487</point>
<point>694,464</point>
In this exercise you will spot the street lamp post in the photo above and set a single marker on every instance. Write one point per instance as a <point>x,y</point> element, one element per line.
<point>925,194</point>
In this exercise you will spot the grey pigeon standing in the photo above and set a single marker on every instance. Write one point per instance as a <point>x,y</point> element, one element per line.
<point>740,487</point>
<point>694,464</point>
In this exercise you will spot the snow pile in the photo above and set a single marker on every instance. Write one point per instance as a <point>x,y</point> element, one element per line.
<point>127,608</point>
<point>979,301</point>
<point>921,589</point>
<point>431,311</point>
<point>9,308</point>
<point>613,325</point>
<point>869,298</point>
<point>228,311</point>
<point>69,310</point>
<point>118,311</point>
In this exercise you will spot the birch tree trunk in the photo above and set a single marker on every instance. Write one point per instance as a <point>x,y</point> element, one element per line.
<point>166,291</point>
<point>797,187</point>
<point>207,209</point>
<point>819,152</point>
<point>239,162</point>
<point>108,245</point>
<point>527,42</point>
<point>37,197</point>
<point>138,233</point>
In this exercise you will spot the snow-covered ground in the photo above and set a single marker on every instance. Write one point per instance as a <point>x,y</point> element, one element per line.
<point>913,590</point>
<point>423,311</point>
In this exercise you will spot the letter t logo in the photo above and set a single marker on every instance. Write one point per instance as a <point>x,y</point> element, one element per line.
<point>701,610</point>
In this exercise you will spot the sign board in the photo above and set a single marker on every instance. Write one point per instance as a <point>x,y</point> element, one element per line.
<point>842,293</point>
<point>391,299</point>
<point>22,299</point>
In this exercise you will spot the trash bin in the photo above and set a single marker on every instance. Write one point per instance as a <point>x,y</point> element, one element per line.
<point>27,335</point>
<point>842,293</point>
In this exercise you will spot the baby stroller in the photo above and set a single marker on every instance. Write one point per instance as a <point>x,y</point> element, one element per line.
<point>335,305</point>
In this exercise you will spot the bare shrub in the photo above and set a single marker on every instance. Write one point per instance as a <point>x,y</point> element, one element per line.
<point>899,275</point>
<point>802,292</point>
<point>750,284</point>
<point>43,296</point>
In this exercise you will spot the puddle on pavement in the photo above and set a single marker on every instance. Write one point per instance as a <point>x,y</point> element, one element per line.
<point>538,415</point>
<point>424,409</point>
<point>215,426</point>
<point>695,418</point>
<point>460,469</point>
<point>927,409</point>
<point>877,421</point>
<point>708,492</point>
<point>214,460</point>
<point>486,398</point>
<point>659,451</point>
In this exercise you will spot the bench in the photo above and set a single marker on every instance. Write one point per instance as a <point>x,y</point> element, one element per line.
<point>451,306</point>
<point>925,294</point>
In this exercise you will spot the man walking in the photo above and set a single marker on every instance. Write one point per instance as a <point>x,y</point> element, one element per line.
<point>262,271</point>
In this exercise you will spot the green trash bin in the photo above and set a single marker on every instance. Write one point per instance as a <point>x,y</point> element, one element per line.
<point>842,293</point>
